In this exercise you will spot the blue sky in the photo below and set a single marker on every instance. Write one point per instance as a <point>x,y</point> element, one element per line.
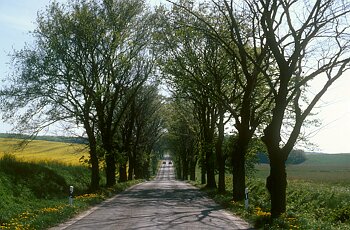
<point>17,18</point>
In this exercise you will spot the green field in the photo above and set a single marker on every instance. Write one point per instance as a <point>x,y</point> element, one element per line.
<point>320,168</point>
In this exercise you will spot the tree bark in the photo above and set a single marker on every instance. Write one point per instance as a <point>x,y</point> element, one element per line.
<point>203,175</point>
<point>219,154</point>
<point>184,168</point>
<point>238,167</point>
<point>131,167</point>
<point>122,173</point>
<point>238,176</point>
<point>95,170</point>
<point>276,184</point>
<point>210,165</point>
<point>138,169</point>
<point>193,164</point>
<point>110,170</point>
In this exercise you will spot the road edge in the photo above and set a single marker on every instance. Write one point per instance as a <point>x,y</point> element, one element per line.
<point>87,212</point>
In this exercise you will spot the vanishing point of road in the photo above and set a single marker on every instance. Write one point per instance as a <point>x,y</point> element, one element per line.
<point>163,203</point>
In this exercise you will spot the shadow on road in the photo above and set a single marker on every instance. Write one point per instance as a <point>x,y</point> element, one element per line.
<point>160,204</point>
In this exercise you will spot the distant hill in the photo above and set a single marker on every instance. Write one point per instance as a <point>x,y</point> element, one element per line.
<point>295,157</point>
<point>328,159</point>
<point>64,139</point>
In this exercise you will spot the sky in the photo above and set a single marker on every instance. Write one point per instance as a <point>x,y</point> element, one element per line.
<point>17,18</point>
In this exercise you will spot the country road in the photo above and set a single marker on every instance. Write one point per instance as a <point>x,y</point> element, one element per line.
<point>163,203</point>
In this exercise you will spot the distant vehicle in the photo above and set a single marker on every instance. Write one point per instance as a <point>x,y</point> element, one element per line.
<point>170,162</point>
<point>164,162</point>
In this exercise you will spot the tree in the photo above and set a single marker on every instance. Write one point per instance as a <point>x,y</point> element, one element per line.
<point>201,70</point>
<point>182,136</point>
<point>196,66</point>
<point>239,85</point>
<point>147,131</point>
<point>87,56</point>
<point>308,41</point>
<point>122,66</point>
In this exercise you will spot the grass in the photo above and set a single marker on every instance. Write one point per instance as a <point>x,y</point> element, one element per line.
<point>318,195</point>
<point>35,195</point>
<point>34,184</point>
<point>320,168</point>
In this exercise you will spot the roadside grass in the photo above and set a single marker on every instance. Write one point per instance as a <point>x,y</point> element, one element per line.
<point>318,196</point>
<point>35,195</point>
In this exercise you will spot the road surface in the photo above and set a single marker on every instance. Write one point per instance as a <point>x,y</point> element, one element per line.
<point>163,203</point>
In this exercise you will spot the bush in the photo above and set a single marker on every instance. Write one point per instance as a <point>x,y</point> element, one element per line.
<point>343,214</point>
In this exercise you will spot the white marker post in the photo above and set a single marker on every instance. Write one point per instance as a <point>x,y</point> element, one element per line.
<point>246,200</point>
<point>71,189</point>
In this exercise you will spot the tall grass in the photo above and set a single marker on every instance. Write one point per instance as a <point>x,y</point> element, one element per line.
<point>318,195</point>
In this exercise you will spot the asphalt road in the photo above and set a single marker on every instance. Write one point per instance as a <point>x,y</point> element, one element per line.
<point>163,203</point>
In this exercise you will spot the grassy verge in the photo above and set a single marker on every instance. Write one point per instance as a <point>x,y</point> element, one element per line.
<point>309,205</point>
<point>35,195</point>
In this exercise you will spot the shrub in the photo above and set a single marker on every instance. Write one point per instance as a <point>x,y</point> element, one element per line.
<point>343,214</point>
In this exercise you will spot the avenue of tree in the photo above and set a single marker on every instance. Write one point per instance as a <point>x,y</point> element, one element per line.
<point>245,64</point>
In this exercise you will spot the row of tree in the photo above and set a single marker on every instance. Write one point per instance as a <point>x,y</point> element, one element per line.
<point>91,66</point>
<point>94,65</point>
<point>253,61</point>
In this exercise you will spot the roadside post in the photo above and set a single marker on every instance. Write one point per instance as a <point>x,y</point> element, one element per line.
<point>71,189</point>
<point>246,200</point>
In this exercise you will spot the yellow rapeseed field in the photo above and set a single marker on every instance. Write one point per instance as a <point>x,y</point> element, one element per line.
<point>42,151</point>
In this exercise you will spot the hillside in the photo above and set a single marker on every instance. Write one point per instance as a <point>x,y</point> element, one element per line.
<point>40,150</point>
<point>65,139</point>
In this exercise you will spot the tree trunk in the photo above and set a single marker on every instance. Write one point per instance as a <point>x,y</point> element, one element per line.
<point>276,184</point>
<point>222,184</point>
<point>184,169</point>
<point>138,170</point>
<point>193,169</point>
<point>131,167</point>
<point>95,171</point>
<point>238,167</point>
<point>122,173</point>
<point>210,165</point>
<point>146,167</point>
<point>219,154</point>
<point>238,176</point>
<point>203,175</point>
<point>110,169</point>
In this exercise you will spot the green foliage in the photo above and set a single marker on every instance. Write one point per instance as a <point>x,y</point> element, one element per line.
<point>342,215</point>
<point>296,156</point>
<point>251,158</point>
